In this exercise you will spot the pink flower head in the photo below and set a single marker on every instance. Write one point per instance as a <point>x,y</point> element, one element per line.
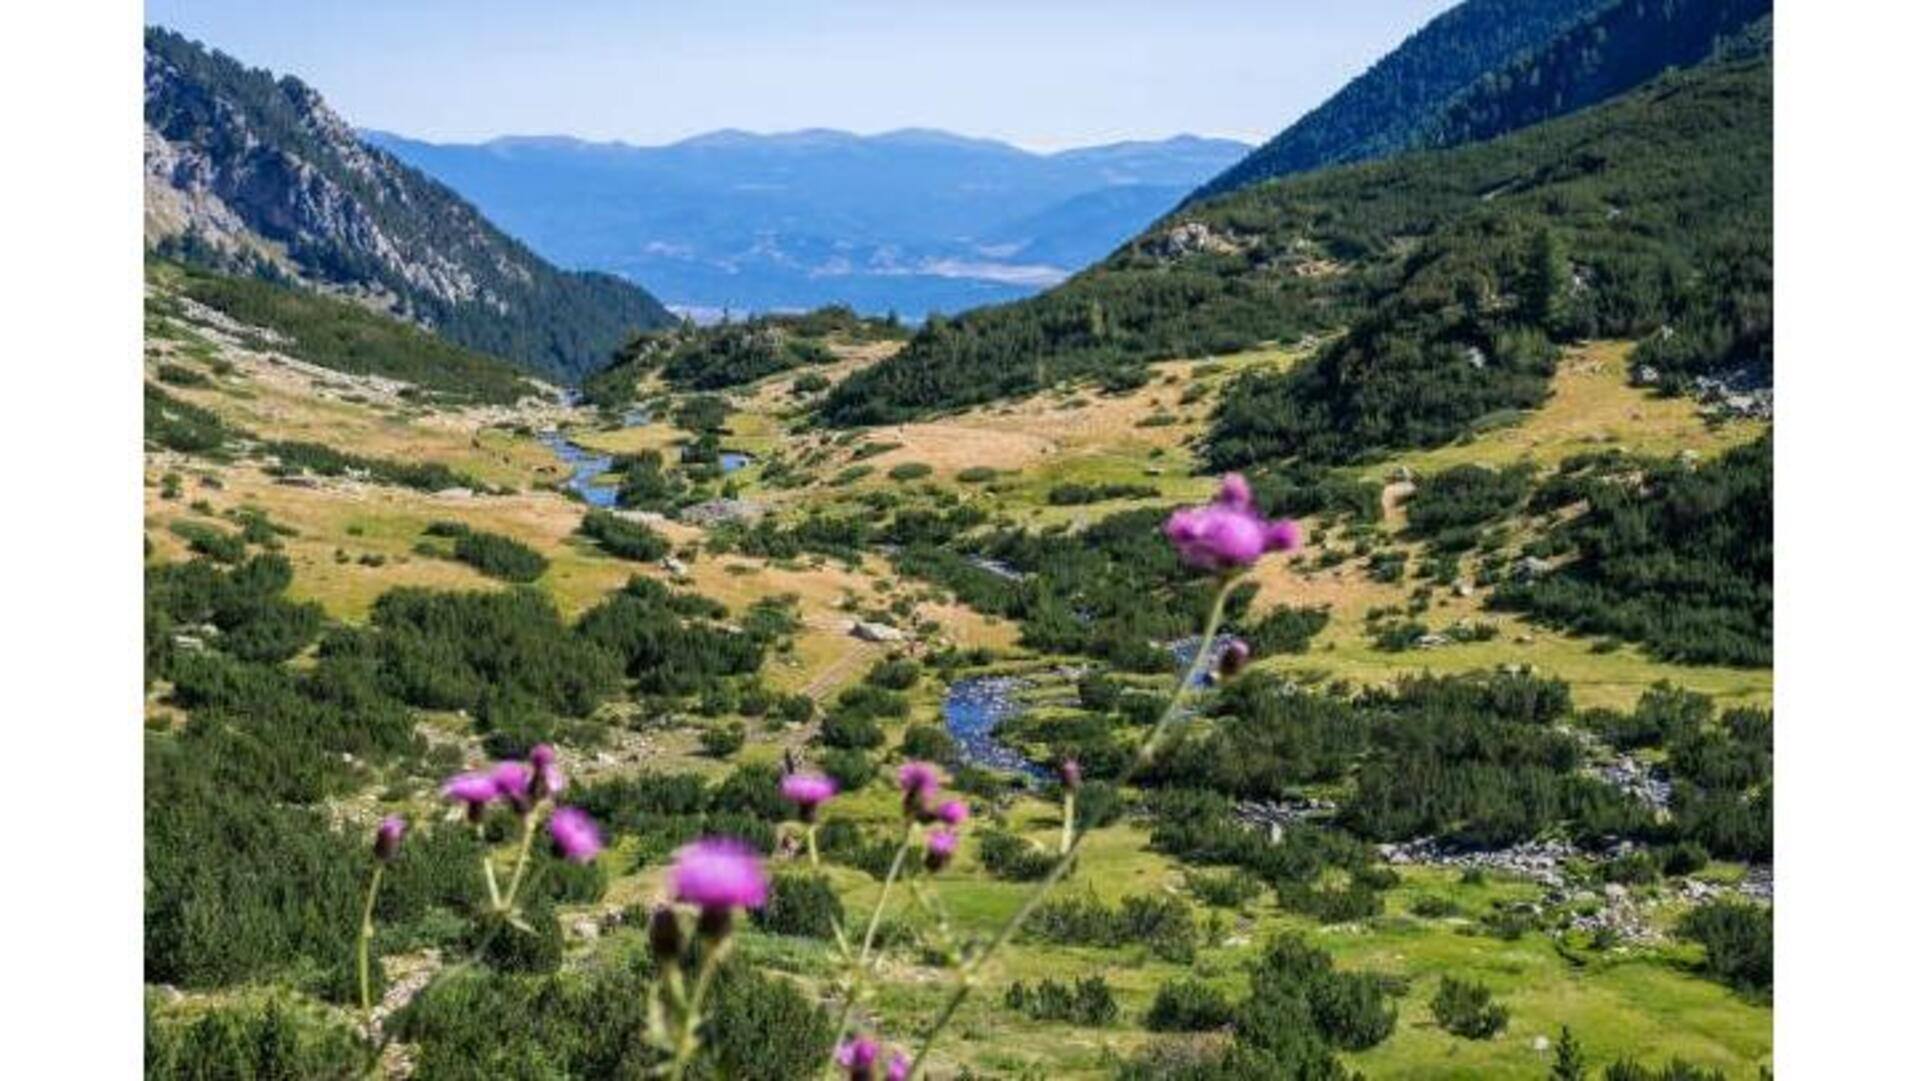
<point>1230,531</point>
<point>1284,535</point>
<point>547,778</point>
<point>1070,774</point>
<point>718,873</point>
<point>472,789</point>
<point>943,841</point>
<point>808,791</point>
<point>919,778</point>
<point>953,812</point>
<point>386,837</point>
<point>941,845</point>
<point>514,781</point>
<point>898,1067</point>
<point>858,1056</point>
<point>575,835</point>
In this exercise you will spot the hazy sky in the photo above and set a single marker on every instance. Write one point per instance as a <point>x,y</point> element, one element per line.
<point>1037,73</point>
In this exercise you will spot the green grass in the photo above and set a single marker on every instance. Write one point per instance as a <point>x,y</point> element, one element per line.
<point>1647,1003</point>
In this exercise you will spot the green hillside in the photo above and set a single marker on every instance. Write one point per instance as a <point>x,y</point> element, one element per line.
<point>343,336</point>
<point>1649,216</point>
<point>1611,51</point>
<point>1384,110</point>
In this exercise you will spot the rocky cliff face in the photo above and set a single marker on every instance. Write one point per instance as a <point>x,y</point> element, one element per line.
<point>247,171</point>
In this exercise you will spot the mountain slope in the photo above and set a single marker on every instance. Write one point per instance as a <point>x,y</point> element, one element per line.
<point>1612,51</point>
<point>1386,109</point>
<point>251,172</point>
<point>912,221</point>
<point>1648,218</point>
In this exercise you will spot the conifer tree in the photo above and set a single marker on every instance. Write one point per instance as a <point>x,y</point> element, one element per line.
<point>1569,1061</point>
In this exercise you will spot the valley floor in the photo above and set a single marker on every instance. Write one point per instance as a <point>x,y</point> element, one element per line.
<point>350,540</point>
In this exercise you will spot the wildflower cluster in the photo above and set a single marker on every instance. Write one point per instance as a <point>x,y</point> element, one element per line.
<point>713,879</point>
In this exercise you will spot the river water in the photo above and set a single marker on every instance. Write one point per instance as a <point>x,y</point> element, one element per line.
<point>584,469</point>
<point>973,708</point>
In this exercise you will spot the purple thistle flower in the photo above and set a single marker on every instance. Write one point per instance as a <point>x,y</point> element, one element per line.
<point>387,836</point>
<point>472,789</point>
<point>1070,774</point>
<point>953,812</point>
<point>575,835</point>
<point>858,1056</point>
<point>941,845</point>
<point>514,780</point>
<point>547,778</point>
<point>898,1067</point>
<point>807,791</point>
<point>919,778</point>
<point>718,873</point>
<point>1229,532</point>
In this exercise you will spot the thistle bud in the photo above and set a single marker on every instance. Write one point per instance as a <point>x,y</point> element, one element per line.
<point>1070,775</point>
<point>941,844</point>
<point>387,837</point>
<point>1234,658</point>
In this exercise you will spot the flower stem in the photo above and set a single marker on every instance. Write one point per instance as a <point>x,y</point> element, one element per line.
<point>858,975</point>
<point>813,857</point>
<point>366,944</point>
<point>1066,824</point>
<point>690,1021</point>
<point>1141,759</point>
<point>486,864</point>
<point>528,822</point>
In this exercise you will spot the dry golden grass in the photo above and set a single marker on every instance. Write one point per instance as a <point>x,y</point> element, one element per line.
<point>1592,408</point>
<point>281,401</point>
<point>373,520</point>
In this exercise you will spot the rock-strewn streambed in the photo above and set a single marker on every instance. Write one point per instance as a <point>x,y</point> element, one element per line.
<point>973,709</point>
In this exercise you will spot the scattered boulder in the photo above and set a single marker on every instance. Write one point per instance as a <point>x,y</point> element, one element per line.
<point>1531,567</point>
<point>722,510</point>
<point>869,631</point>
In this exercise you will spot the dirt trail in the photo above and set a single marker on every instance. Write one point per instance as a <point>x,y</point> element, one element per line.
<point>833,675</point>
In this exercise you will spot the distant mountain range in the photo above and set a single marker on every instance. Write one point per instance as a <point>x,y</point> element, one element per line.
<point>1617,172</point>
<point>251,173</point>
<point>912,221</point>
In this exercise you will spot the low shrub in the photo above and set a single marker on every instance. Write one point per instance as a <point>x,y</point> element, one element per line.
<point>1012,858</point>
<point>722,740</point>
<point>1188,1006</point>
<point>1739,942</point>
<point>1467,1009</point>
<point>801,904</point>
<point>624,537</point>
<point>1089,1001</point>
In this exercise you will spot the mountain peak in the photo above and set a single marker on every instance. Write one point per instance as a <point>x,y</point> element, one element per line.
<point>248,171</point>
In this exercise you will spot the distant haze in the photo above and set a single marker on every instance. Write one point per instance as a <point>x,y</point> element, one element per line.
<point>909,221</point>
<point>1040,75</point>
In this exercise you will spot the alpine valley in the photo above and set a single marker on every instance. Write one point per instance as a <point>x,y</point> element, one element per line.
<point>434,478</point>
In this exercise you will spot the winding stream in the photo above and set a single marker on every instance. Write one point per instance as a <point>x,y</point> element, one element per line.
<point>973,708</point>
<point>585,467</point>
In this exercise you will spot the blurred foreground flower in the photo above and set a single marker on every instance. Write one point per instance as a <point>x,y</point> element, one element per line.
<point>1230,532</point>
<point>718,875</point>
<point>575,835</point>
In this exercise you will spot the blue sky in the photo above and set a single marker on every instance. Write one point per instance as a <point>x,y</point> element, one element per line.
<point>1040,74</point>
